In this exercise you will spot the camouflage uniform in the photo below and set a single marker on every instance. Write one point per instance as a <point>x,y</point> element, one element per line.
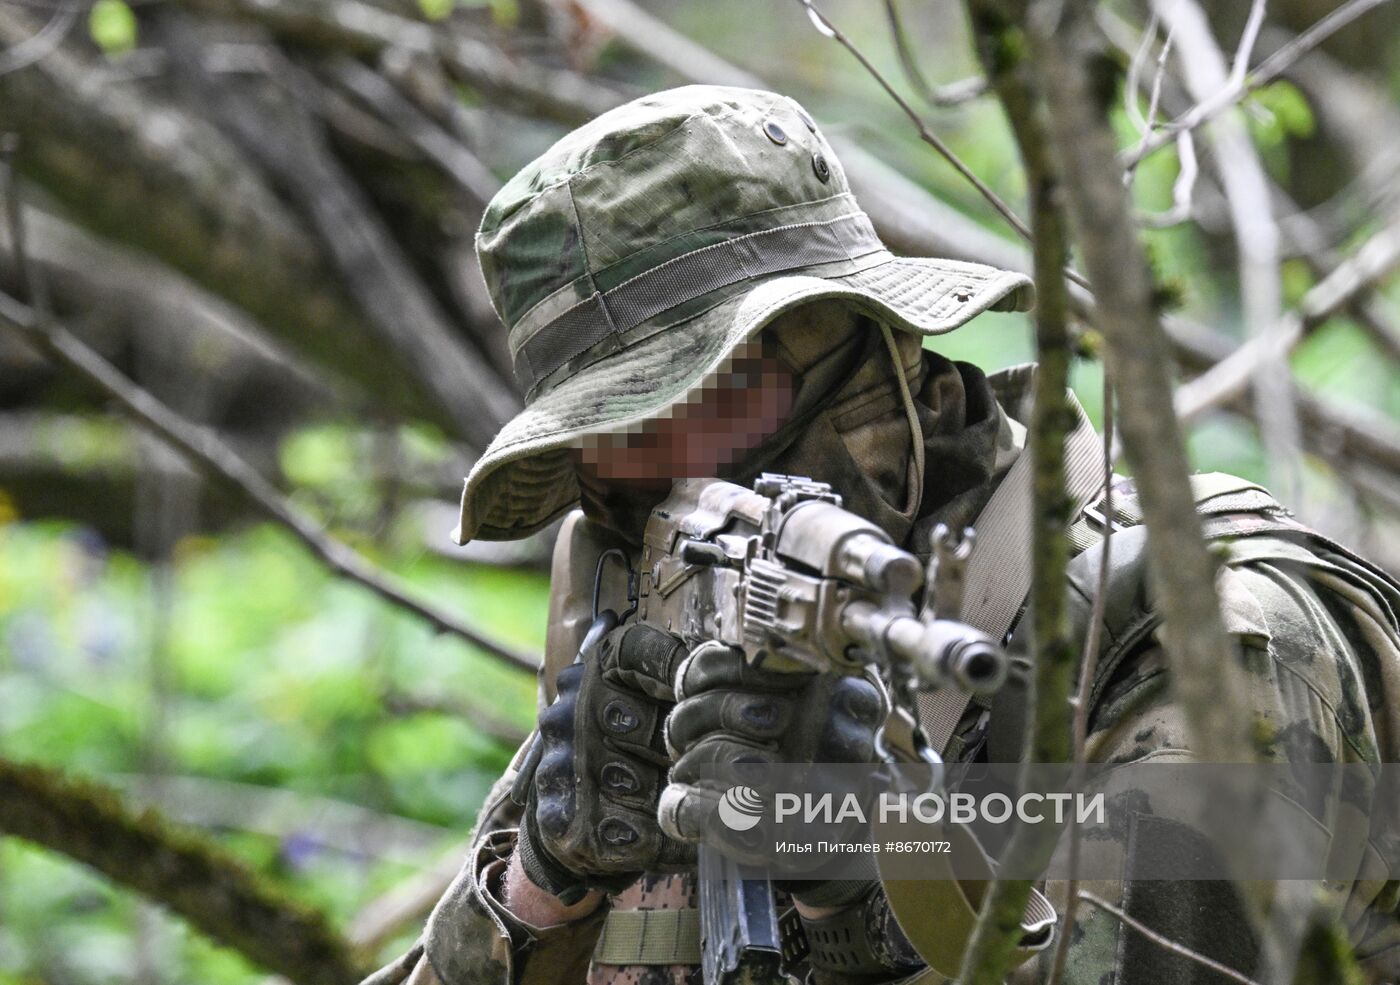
<point>630,260</point>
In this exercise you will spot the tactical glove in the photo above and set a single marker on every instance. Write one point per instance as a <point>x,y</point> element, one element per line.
<point>590,806</point>
<point>732,713</point>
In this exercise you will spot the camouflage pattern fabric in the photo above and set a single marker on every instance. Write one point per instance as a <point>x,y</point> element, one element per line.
<point>1320,645</point>
<point>1317,634</point>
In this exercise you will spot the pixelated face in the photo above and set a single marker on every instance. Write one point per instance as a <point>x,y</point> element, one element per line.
<point>704,436</point>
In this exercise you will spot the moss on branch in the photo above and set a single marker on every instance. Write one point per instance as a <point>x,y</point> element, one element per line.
<point>215,892</point>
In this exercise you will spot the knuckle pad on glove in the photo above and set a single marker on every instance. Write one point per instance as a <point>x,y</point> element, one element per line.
<point>626,781</point>
<point>620,717</point>
<point>715,754</point>
<point>555,773</point>
<point>756,717</point>
<point>556,722</point>
<point>567,681</point>
<point>553,817</point>
<point>708,667</point>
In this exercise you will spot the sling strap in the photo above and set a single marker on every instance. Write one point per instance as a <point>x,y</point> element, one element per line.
<point>938,915</point>
<point>998,577</point>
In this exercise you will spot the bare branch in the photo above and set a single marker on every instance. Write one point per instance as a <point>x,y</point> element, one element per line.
<point>43,43</point>
<point>925,134</point>
<point>1224,381</point>
<point>354,28</point>
<point>212,890</point>
<point>952,94</point>
<point>998,30</point>
<point>107,152</point>
<point>1088,665</point>
<point>210,456</point>
<point>338,825</point>
<point>141,299</point>
<point>269,117</point>
<point>217,462</point>
<point>1207,679</point>
<point>1309,240</point>
<point>459,163</point>
<point>1270,69</point>
<point>1183,188</point>
<point>1251,214</point>
<point>1239,66</point>
<point>1133,83</point>
<point>646,34</point>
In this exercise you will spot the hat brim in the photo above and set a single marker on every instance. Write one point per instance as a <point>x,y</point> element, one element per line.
<point>525,478</point>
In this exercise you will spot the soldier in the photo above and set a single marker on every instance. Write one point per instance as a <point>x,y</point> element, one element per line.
<point>691,290</point>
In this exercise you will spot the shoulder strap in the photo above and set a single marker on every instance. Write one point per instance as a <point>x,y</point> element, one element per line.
<point>999,571</point>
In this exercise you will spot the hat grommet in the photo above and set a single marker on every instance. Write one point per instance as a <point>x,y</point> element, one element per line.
<point>822,169</point>
<point>775,132</point>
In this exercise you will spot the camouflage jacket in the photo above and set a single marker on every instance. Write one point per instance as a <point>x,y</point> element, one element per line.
<point>1318,637</point>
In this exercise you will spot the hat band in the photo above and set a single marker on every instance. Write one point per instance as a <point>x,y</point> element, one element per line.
<point>597,322</point>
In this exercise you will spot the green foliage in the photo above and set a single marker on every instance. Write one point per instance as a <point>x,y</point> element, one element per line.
<point>112,26</point>
<point>503,12</point>
<point>1285,113</point>
<point>275,672</point>
<point>436,10</point>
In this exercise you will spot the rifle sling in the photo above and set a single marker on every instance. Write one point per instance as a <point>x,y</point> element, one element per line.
<point>999,571</point>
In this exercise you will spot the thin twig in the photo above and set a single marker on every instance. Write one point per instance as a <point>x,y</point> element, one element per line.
<point>1250,207</point>
<point>46,40</point>
<point>1167,942</point>
<point>1088,664</point>
<point>1207,678</point>
<point>1147,124</point>
<point>1132,85</point>
<point>987,956</point>
<point>1183,188</point>
<point>1239,67</point>
<point>207,454</point>
<point>1268,70</point>
<point>952,94</point>
<point>825,26</point>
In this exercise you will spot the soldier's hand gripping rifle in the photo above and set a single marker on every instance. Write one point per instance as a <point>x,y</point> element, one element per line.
<point>786,575</point>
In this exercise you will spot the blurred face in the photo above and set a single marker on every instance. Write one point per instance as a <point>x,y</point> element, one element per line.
<point>727,417</point>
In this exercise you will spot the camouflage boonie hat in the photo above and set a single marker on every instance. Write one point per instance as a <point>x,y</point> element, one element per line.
<point>636,254</point>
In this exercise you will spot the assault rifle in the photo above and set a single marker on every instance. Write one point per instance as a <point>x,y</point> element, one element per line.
<point>784,573</point>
